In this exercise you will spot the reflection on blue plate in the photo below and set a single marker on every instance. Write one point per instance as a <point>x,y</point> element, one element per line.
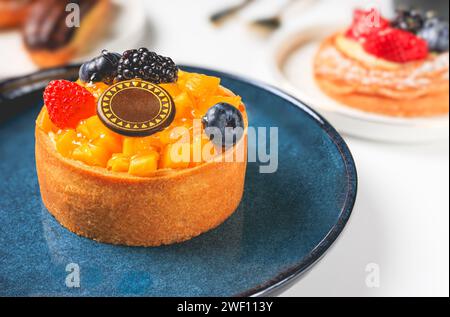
<point>286,220</point>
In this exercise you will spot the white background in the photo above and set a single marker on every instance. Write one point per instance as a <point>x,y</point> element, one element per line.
<point>401,218</point>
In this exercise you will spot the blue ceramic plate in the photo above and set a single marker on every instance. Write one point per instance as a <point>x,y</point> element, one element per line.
<point>285,223</point>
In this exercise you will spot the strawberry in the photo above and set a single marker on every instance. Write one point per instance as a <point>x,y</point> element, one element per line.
<point>396,45</point>
<point>365,23</point>
<point>68,103</point>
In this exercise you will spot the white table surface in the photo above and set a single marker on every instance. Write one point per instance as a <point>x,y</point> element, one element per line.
<point>401,218</point>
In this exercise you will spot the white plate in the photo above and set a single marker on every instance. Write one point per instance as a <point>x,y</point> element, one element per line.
<point>128,26</point>
<point>291,59</point>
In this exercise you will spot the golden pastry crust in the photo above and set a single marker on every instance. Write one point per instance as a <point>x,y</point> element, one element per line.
<point>13,12</point>
<point>419,89</point>
<point>169,207</point>
<point>89,30</point>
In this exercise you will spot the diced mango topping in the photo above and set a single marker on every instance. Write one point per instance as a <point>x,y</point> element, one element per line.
<point>66,142</point>
<point>97,89</point>
<point>145,145</point>
<point>184,106</point>
<point>43,121</point>
<point>119,163</point>
<point>92,128</point>
<point>175,156</point>
<point>144,165</point>
<point>91,155</point>
<point>109,142</point>
<point>213,100</point>
<point>176,147</point>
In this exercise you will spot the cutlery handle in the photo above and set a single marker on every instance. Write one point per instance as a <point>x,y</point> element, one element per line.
<point>226,13</point>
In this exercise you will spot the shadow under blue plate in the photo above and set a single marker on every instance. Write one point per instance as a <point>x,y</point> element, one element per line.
<point>285,222</point>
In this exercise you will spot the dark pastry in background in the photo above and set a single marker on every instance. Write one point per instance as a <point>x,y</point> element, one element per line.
<point>48,38</point>
<point>13,13</point>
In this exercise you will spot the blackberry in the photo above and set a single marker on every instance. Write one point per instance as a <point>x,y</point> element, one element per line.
<point>409,20</point>
<point>146,65</point>
<point>101,68</point>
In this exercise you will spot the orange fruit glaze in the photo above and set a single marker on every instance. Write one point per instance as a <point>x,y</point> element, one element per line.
<point>96,145</point>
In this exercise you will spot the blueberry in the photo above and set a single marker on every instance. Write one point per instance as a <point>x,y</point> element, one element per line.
<point>435,32</point>
<point>443,44</point>
<point>225,119</point>
<point>101,68</point>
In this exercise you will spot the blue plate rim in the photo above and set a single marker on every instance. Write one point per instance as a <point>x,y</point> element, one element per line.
<point>318,252</point>
<point>352,178</point>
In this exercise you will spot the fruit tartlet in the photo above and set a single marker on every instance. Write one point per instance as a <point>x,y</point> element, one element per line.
<point>137,152</point>
<point>395,68</point>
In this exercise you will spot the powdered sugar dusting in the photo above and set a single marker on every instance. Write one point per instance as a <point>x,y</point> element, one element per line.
<point>333,64</point>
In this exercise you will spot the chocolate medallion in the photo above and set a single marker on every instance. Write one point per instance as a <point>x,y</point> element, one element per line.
<point>136,108</point>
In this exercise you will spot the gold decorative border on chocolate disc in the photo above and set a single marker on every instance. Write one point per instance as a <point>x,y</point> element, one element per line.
<point>166,109</point>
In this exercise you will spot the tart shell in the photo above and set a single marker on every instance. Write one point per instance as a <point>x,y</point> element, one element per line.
<point>171,206</point>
